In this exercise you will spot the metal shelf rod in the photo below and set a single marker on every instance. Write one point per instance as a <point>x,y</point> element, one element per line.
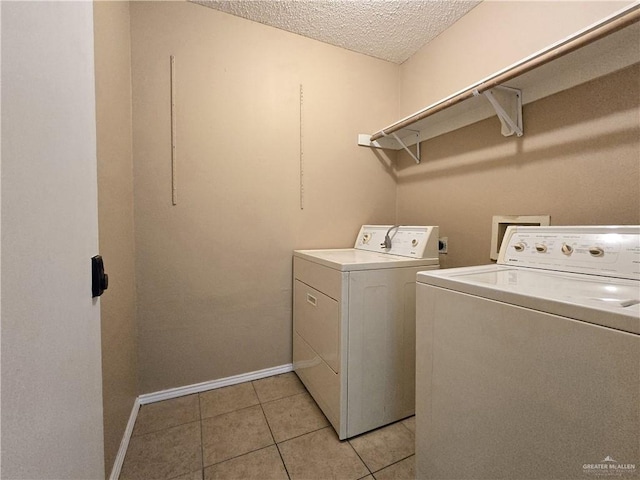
<point>589,35</point>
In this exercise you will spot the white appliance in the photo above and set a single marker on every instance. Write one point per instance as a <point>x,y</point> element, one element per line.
<point>530,368</point>
<point>354,325</point>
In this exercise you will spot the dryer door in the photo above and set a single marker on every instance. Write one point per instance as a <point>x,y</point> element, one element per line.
<point>317,321</point>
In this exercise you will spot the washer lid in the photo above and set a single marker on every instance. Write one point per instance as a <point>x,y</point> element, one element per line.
<point>351,259</point>
<point>610,302</point>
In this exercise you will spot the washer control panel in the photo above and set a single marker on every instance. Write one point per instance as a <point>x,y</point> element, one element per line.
<point>598,250</point>
<point>405,241</point>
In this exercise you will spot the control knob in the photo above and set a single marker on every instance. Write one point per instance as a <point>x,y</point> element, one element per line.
<point>519,247</point>
<point>567,249</point>
<point>541,247</point>
<point>596,251</point>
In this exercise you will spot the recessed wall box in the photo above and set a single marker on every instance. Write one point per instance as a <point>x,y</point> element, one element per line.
<point>501,222</point>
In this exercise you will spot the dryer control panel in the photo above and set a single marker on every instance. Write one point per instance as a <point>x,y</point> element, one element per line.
<point>612,251</point>
<point>405,241</point>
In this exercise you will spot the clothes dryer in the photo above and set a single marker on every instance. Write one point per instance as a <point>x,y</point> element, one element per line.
<point>530,368</point>
<point>354,324</point>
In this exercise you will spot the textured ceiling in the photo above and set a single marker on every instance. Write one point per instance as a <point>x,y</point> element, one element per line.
<point>392,30</point>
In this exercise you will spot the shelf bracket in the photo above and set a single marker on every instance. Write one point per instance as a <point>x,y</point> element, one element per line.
<point>364,140</point>
<point>511,122</point>
<point>416,156</point>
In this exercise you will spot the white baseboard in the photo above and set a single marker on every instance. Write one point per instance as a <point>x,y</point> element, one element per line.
<point>213,384</point>
<point>124,444</point>
<point>179,392</point>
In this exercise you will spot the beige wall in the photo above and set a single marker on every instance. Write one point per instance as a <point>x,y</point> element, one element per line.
<point>115,215</point>
<point>578,160</point>
<point>214,272</point>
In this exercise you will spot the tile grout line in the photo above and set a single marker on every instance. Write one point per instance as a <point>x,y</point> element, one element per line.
<point>266,420</point>
<point>286,471</point>
<point>404,420</point>
<point>306,433</point>
<point>394,463</point>
<point>240,455</point>
<point>201,436</point>
<point>282,398</point>
<point>361,459</point>
<point>372,472</point>
<point>165,427</point>
<point>233,411</point>
<point>245,453</point>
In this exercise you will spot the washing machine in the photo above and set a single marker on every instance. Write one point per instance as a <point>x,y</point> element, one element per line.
<point>530,368</point>
<point>354,324</point>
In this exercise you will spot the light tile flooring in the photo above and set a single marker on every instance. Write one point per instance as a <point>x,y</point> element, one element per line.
<point>265,429</point>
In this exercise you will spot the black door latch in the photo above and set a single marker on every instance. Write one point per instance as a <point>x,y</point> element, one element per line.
<point>100,280</point>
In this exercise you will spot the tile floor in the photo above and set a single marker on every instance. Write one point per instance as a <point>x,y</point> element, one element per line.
<point>265,429</point>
